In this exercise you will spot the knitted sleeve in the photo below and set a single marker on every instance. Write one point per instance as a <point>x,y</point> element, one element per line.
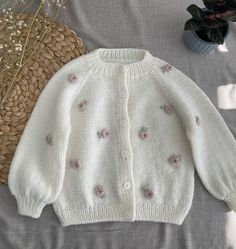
<point>212,143</point>
<point>38,166</point>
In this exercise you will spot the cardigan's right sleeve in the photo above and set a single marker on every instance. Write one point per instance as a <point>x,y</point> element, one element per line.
<point>38,165</point>
<point>212,143</point>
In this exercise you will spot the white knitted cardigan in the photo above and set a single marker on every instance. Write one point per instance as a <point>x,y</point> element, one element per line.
<point>116,135</point>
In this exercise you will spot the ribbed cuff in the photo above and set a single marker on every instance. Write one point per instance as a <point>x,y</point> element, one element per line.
<point>29,207</point>
<point>231,201</point>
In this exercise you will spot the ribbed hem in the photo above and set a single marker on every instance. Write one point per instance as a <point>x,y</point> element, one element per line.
<point>112,61</point>
<point>173,215</point>
<point>29,207</point>
<point>77,215</point>
<point>231,201</point>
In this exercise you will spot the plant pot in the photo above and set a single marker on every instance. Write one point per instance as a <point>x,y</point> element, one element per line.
<point>198,45</point>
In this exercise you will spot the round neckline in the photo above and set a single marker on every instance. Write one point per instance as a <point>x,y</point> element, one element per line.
<point>112,61</point>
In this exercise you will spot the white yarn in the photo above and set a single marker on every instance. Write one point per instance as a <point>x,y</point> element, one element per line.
<point>115,136</point>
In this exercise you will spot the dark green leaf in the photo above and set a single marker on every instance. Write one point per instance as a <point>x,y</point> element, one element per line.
<point>192,25</point>
<point>231,18</point>
<point>214,7</point>
<point>196,12</point>
<point>215,24</point>
<point>231,4</point>
<point>208,4</point>
<point>215,36</point>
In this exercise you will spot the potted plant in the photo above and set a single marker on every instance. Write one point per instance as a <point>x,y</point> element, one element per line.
<point>209,26</point>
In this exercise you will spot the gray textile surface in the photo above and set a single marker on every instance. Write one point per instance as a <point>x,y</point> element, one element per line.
<point>156,26</point>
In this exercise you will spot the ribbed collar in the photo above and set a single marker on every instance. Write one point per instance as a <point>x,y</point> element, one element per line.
<point>114,61</point>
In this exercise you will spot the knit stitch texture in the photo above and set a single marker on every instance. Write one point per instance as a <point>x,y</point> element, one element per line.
<point>116,135</point>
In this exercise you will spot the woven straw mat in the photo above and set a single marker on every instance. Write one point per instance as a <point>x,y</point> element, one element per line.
<point>59,46</point>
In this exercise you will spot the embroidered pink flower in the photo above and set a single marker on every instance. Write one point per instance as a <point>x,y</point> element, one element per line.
<point>83,105</point>
<point>168,109</point>
<point>175,160</point>
<point>147,192</point>
<point>197,120</point>
<point>75,163</point>
<point>166,68</point>
<point>71,78</point>
<point>49,139</point>
<point>143,133</point>
<point>104,133</point>
<point>99,191</point>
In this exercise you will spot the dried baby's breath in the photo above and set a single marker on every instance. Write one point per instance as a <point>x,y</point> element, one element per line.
<point>43,56</point>
<point>17,50</point>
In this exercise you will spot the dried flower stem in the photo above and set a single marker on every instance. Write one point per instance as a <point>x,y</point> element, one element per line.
<point>27,6</point>
<point>27,37</point>
<point>43,34</point>
<point>23,53</point>
<point>22,57</point>
<point>21,63</point>
<point>15,5</point>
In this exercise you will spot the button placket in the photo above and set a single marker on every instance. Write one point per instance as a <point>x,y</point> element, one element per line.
<point>122,94</point>
<point>125,156</point>
<point>128,215</point>
<point>126,152</point>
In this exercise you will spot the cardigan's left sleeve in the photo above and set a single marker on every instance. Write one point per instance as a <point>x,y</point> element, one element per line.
<point>38,166</point>
<point>213,145</point>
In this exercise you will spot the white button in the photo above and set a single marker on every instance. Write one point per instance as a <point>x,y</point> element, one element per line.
<point>124,153</point>
<point>127,185</point>
<point>123,122</point>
